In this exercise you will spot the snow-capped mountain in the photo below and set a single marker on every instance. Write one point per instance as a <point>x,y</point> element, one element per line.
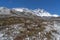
<point>4,10</point>
<point>28,24</point>
<point>38,12</point>
<point>41,12</point>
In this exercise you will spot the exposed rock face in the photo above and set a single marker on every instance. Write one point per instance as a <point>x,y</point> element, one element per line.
<point>24,28</point>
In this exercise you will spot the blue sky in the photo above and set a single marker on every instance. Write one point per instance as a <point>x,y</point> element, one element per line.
<point>52,6</point>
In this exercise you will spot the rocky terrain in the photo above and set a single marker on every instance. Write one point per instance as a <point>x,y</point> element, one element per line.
<point>18,25</point>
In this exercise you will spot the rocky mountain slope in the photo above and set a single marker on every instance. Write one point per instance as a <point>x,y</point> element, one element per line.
<point>25,24</point>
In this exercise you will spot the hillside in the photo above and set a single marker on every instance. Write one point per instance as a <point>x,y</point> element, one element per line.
<point>23,24</point>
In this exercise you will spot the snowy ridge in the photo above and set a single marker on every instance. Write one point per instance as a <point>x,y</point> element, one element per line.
<point>41,12</point>
<point>4,10</point>
<point>38,12</point>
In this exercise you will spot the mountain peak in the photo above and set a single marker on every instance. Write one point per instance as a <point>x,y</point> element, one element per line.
<point>42,12</point>
<point>38,12</point>
<point>4,10</point>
